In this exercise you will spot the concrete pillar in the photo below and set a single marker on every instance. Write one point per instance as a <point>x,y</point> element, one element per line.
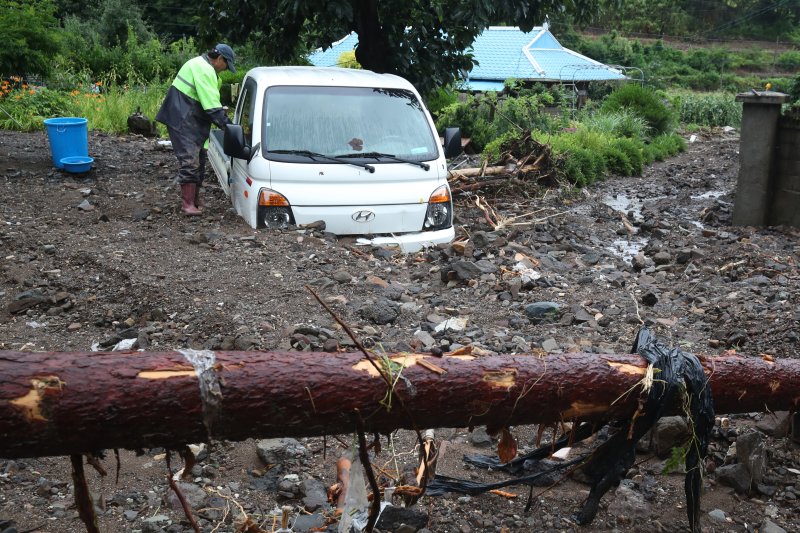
<point>756,148</point>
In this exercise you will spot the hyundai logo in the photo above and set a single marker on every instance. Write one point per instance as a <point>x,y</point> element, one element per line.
<point>363,216</point>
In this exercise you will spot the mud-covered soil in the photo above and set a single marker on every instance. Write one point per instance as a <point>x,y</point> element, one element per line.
<point>89,261</point>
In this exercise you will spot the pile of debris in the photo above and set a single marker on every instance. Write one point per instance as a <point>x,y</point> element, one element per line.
<point>523,164</point>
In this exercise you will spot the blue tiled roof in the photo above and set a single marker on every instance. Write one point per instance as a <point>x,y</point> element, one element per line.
<point>505,52</point>
<point>330,57</point>
<point>508,52</point>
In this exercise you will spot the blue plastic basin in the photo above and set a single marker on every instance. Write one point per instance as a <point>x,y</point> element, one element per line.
<point>77,163</point>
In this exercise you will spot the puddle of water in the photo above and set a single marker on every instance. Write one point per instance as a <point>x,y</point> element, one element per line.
<point>627,248</point>
<point>622,202</point>
<point>708,194</point>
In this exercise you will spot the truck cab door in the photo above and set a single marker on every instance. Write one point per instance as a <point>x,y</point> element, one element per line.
<point>245,117</point>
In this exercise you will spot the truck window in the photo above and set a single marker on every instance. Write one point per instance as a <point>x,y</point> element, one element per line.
<point>248,110</point>
<point>347,120</point>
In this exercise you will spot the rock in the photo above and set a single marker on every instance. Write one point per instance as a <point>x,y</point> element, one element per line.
<point>140,124</point>
<point>452,324</point>
<point>639,261</point>
<point>718,515</point>
<point>315,495</point>
<point>381,313</point>
<point>481,239</point>
<point>308,522</point>
<point>155,524</point>
<point>737,338</point>
<point>768,526</point>
<point>669,432</point>
<point>425,338</point>
<point>550,345</point>
<point>86,206</point>
<point>541,310</point>
<point>276,451</point>
<point>342,276</point>
<point>649,299</point>
<point>130,516</point>
<point>479,438</point>
<point>776,424</point>
<point>24,303</point>
<point>396,519</point>
<point>662,258</point>
<point>195,496</point>
<point>140,214</point>
<point>735,476</point>
<point>628,502</point>
<point>466,270</point>
<point>752,452</point>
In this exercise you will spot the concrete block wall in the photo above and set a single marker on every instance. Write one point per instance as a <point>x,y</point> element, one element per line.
<point>785,207</point>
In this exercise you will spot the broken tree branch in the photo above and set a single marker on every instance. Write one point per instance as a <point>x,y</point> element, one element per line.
<point>77,402</point>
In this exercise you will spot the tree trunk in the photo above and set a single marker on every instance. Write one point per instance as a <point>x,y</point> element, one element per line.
<point>72,403</point>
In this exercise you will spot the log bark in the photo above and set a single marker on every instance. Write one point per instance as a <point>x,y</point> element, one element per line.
<point>72,403</point>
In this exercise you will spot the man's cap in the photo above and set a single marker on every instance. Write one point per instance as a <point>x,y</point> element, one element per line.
<point>226,52</point>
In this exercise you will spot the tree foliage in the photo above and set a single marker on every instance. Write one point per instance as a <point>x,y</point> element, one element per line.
<point>424,41</point>
<point>29,36</point>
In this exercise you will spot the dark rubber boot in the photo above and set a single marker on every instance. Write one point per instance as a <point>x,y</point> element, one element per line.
<point>188,192</point>
<point>198,202</point>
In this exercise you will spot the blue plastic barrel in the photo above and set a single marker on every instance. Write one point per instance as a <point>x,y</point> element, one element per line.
<point>69,136</point>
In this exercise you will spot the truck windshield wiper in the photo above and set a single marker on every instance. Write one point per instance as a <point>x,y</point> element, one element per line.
<point>379,155</point>
<point>314,155</point>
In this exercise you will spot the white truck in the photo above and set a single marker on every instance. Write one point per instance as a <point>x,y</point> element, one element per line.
<point>355,149</point>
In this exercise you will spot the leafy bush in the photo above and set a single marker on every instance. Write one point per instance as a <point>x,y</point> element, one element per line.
<point>133,61</point>
<point>645,103</point>
<point>29,35</point>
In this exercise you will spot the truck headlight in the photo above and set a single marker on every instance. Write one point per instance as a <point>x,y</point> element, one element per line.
<point>274,211</point>
<point>440,210</point>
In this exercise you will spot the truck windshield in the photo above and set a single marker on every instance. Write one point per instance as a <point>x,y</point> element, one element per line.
<point>337,121</point>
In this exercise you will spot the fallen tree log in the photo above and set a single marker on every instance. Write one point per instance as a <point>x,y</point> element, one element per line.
<point>72,403</point>
<point>474,172</point>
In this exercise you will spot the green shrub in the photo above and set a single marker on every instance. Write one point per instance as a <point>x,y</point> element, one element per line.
<point>645,103</point>
<point>493,149</point>
<point>580,154</point>
<point>622,123</point>
<point>632,149</point>
<point>472,116</point>
<point>664,146</point>
<point>789,60</point>
<point>618,161</point>
<point>794,89</point>
<point>440,98</point>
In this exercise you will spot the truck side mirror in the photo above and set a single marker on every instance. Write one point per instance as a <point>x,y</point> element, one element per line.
<point>233,142</point>
<point>452,142</point>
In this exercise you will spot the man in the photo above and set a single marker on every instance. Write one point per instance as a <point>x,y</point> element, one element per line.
<point>191,106</point>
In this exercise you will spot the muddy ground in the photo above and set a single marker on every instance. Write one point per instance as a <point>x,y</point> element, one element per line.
<point>91,260</point>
